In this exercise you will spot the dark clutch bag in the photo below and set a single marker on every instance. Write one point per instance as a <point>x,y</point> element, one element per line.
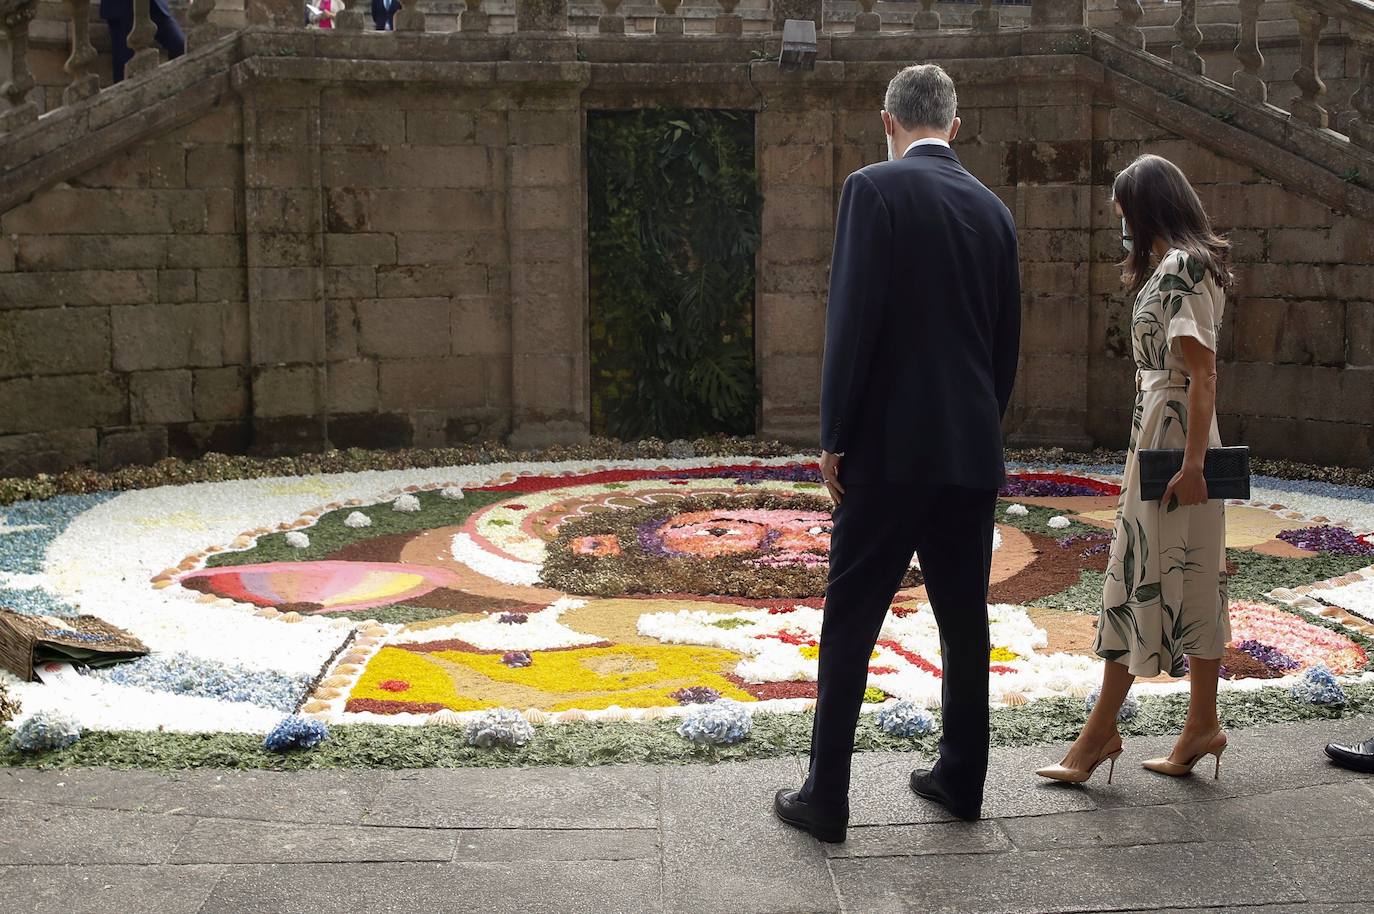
<point>1226,469</point>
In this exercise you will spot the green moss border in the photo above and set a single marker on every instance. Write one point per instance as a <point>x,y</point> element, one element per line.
<point>215,467</point>
<point>379,746</point>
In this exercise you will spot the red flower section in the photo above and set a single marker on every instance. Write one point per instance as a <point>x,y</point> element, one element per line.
<point>394,685</point>
<point>765,691</point>
<point>380,706</point>
<point>881,670</point>
<point>911,657</point>
<point>542,483</point>
<point>1105,488</point>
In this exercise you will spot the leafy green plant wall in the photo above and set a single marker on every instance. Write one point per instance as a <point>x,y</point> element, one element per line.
<point>673,207</point>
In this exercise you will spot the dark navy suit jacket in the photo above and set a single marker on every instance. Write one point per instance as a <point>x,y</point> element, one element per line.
<point>923,325</point>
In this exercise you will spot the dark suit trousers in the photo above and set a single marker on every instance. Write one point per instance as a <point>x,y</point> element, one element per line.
<point>876,530</point>
<point>169,35</point>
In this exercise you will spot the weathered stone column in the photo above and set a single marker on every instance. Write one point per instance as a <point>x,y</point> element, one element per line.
<point>798,177</point>
<point>283,234</point>
<point>1059,13</point>
<point>547,226</point>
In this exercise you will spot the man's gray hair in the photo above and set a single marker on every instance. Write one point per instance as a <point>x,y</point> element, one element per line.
<point>922,96</point>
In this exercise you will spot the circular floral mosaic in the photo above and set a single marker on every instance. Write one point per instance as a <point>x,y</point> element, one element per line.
<point>569,591</point>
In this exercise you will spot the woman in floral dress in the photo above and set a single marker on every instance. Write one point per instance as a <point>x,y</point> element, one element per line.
<point>1164,608</point>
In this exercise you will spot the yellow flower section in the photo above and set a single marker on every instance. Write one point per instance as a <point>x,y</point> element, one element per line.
<point>1002,655</point>
<point>591,678</point>
<point>428,681</point>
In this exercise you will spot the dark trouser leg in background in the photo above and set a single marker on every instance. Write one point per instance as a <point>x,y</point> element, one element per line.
<point>955,550</point>
<point>871,544</point>
<point>169,35</point>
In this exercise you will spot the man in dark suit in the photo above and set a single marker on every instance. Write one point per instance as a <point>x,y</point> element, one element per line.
<point>922,331</point>
<point>119,16</point>
<point>383,12</point>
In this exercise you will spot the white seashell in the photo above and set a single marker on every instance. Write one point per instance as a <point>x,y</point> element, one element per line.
<point>452,493</point>
<point>407,504</point>
<point>446,718</point>
<point>297,539</point>
<point>357,519</point>
<point>1058,522</point>
<point>1017,510</point>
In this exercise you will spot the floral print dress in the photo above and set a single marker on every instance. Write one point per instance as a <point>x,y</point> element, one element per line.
<point>1165,596</point>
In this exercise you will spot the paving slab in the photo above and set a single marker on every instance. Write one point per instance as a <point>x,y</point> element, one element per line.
<point>242,841</point>
<point>1123,827</point>
<point>106,889</point>
<point>38,834</point>
<point>1326,870</point>
<point>100,788</point>
<point>723,850</point>
<point>1343,810</point>
<point>606,887</point>
<point>984,837</point>
<point>496,844</point>
<point>880,791</point>
<point>615,796</point>
<point>270,796</point>
<point>1258,760</point>
<point>1076,879</point>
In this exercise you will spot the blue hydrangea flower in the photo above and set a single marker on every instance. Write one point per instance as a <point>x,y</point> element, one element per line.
<point>183,674</point>
<point>905,718</point>
<point>296,732</point>
<point>721,723</point>
<point>499,727</point>
<point>45,731</point>
<point>1319,686</point>
<point>1129,708</point>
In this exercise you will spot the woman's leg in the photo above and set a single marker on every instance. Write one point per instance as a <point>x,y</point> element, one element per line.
<point>1101,726</point>
<point>1202,725</point>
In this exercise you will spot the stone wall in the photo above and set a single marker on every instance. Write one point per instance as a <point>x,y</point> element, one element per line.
<point>391,251</point>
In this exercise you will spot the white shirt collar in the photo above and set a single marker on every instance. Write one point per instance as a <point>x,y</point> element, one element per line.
<point>927,141</point>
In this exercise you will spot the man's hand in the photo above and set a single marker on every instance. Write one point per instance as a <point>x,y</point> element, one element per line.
<point>830,472</point>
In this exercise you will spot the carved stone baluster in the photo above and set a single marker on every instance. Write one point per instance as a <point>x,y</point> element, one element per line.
<point>670,23</point>
<point>201,32</point>
<point>1127,31</point>
<point>1247,80</point>
<point>867,20</point>
<point>729,22</point>
<point>474,18</point>
<point>409,18</point>
<point>611,22</point>
<point>17,110</point>
<point>927,20</point>
<point>1308,108</point>
<point>350,20</point>
<point>988,18</point>
<point>1362,102</point>
<point>1185,53</point>
<point>146,57</point>
<point>84,83</point>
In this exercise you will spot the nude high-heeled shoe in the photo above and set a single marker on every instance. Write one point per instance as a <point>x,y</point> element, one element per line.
<point>1215,747</point>
<point>1110,753</point>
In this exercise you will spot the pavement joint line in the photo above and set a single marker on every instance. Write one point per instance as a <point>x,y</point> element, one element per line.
<point>662,844</point>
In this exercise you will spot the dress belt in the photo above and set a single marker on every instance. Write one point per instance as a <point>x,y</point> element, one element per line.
<point>1159,379</point>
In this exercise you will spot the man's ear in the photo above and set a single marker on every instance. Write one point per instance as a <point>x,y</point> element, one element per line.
<point>887,123</point>
<point>954,129</point>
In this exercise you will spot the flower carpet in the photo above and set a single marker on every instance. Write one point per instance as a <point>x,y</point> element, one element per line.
<point>632,592</point>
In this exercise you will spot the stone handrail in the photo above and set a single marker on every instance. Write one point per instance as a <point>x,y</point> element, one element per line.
<point>542,32</point>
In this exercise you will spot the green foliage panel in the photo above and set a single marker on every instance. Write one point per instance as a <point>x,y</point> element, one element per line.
<point>673,210</point>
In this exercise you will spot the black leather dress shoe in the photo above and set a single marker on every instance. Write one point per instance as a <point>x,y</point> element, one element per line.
<point>925,786</point>
<point>828,826</point>
<point>1359,757</point>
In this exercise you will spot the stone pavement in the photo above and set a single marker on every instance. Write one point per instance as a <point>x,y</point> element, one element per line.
<point>1282,831</point>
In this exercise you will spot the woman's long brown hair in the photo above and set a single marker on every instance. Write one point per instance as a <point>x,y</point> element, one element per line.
<point>1159,203</point>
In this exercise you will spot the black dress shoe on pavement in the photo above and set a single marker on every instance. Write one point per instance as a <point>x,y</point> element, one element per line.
<point>925,786</point>
<point>829,827</point>
<point>1359,757</point>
